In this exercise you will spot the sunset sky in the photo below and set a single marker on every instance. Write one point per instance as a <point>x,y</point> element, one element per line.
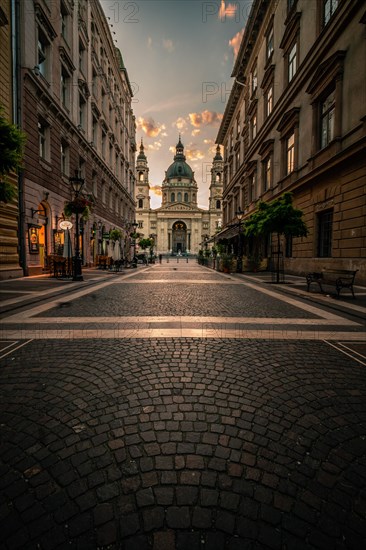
<point>179,55</point>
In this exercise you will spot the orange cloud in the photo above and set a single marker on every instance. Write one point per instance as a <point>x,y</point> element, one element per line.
<point>149,126</point>
<point>194,154</point>
<point>236,41</point>
<point>180,123</point>
<point>227,11</point>
<point>206,118</point>
<point>154,146</point>
<point>156,189</point>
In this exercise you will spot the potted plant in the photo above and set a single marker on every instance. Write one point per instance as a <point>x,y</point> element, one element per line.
<point>115,235</point>
<point>226,262</point>
<point>79,205</point>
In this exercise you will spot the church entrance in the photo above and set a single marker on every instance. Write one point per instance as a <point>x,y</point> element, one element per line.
<point>179,238</point>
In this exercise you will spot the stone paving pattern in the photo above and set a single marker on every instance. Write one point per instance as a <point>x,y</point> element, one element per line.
<point>163,299</point>
<point>182,444</point>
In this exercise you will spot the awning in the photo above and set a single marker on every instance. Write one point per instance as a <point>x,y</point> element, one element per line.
<point>227,233</point>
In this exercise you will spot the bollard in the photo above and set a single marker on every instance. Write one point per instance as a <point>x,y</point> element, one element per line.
<point>177,260</point>
<point>167,260</point>
<point>187,259</point>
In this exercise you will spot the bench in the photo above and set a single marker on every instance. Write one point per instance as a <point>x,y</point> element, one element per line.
<point>340,278</point>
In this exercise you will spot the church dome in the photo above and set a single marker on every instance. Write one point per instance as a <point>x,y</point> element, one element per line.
<point>179,168</point>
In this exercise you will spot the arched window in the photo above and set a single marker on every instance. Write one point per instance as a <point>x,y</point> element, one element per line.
<point>218,177</point>
<point>185,197</point>
<point>141,176</point>
<point>218,204</point>
<point>179,197</point>
<point>172,197</point>
<point>141,203</point>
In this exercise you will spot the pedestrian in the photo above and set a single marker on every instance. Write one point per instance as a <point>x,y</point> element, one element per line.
<point>160,258</point>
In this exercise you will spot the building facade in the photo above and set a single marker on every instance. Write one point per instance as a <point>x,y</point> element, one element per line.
<point>296,121</point>
<point>9,212</point>
<point>76,112</point>
<point>179,226</point>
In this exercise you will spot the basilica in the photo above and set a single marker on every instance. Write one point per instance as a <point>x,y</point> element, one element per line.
<point>178,226</point>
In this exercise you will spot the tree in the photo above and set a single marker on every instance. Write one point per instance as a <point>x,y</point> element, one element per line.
<point>278,216</point>
<point>11,152</point>
<point>146,243</point>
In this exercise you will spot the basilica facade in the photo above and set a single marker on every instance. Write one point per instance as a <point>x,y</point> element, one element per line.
<point>178,226</point>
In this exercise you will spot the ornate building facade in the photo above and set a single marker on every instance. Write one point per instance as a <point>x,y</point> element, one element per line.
<point>9,212</point>
<point>76,109</point>
<point>292,123</point>
<point>179,225</point>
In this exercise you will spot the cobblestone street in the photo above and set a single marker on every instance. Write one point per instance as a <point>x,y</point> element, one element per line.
<point>176,408</point>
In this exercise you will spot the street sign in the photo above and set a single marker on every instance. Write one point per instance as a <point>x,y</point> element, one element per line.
<point>65,224</point>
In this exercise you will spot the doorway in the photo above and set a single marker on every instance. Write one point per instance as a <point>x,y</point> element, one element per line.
<point>179,237</point>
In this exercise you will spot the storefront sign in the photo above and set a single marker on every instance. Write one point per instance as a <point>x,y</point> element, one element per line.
<point>33,239</point>
<point>65,224</point>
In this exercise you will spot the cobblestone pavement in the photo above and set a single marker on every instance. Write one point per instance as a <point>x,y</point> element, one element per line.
<point>182,443</point>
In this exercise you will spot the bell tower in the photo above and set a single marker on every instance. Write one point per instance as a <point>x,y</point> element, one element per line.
<point>216,186</point>
<point>142,181</point>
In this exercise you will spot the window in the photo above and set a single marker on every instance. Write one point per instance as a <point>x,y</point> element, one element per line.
<point>253,79</point>
<point>65,153</point>
<point>329,7</point>
<point>65,87</point>
<point>269,44</point>
<point>172,197</point>
<point>103,192</point>
<point>327,114</point>
<point>104,144</point>
<point>82,112</point>
<point>238,124</point>
<point>218,177</point>
<point>288,246</point>
<point>116,203</point>
<point>110,199</point>
<point>218,204</point>
<point>269,100</point>
<point>141,176</point>
<point>95,132</point>
<point>82,56</point>
<point>141,224</point>
<point>292,62</point>
<point>185,197</point>
<point>267,173</point>
<point>94,184</point>
<point>325,225</point>
<point>43,52</point>
<point>43,140</point>
<point>252,187</point>
<point>290,154</point>
<point>237,160</point>
<point>179,198</point>
<point>253,126</point>
<point>64,22</point>
<point>141,203</point>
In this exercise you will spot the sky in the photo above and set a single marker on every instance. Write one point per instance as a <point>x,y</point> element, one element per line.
<point>179,55</point>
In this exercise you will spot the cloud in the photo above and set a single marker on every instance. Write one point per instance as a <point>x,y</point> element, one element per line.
<point>180,123</point>
<point>149,42</point>
<point>206,118</point>
<point>195,132</point>
<point>192,153</point>
<point>168,45</point>
<point>235,42</point>
<point>149,126</point>
<point>154,146</point>
<point>227,11</point>
<point>156,190</point>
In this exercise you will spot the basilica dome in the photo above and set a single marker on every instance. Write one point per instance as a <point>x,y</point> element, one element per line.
<point>179,168</point>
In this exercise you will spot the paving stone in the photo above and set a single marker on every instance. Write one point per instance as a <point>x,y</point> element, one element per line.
<point>178,517</point>
<point>164,540</point>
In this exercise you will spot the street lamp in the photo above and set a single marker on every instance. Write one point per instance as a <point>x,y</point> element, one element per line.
<point>239,265</point>
<point>135,226</point>
<point>76,185</point>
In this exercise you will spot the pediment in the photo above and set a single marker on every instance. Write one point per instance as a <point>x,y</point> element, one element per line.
<point>179,207</point>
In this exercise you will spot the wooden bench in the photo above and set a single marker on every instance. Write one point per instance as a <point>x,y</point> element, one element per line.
<point>340,278</point>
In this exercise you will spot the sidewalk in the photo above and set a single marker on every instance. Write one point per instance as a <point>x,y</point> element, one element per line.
<point>15,293</point>
<point>295,285</point>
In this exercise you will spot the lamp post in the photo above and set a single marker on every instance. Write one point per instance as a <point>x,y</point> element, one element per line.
<point>135,226</point>
<point>99,225</point>
<point>239,265</point>
<point>76,185</point>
